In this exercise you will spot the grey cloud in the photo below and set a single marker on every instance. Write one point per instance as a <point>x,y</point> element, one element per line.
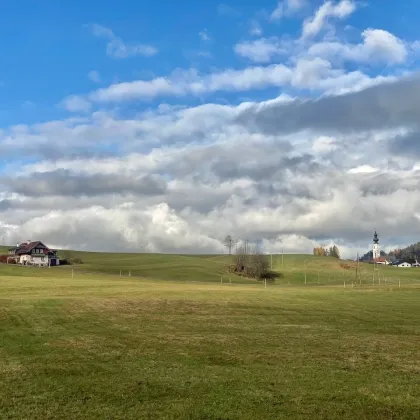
<point>383,184</point>
<point>257,160</point>
<point>406,145</point>
<point>264,184</point>
<point>265,165</point>
<point>50,151</point>
<point>386,106</point>
<point>67,183</point>
<point>6,205</point>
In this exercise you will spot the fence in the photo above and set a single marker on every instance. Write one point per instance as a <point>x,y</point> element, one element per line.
<point>294,277</point>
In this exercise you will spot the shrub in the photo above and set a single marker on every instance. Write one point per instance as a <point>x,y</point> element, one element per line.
<point>7,259</point>
<point>71,261</point>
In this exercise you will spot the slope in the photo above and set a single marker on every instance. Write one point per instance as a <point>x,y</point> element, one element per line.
<point>293,269</point>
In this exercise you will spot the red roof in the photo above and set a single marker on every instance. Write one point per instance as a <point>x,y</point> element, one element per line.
<point>26,247</point>
<point>380,259</point>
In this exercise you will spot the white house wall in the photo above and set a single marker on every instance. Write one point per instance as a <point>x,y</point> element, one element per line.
<point>35,259</point>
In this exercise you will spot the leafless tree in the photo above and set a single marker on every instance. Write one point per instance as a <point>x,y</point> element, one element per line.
<point>250,261</point>
<point>229,243</point>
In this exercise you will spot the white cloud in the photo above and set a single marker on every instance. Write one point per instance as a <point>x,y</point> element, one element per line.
<point>261,50</point>
<point>363,169</point>
<point>378,46</point>
<point>204,35</point>
<point>324,144</point>
<point>117,48</point>
<point>309,73</point>
<point>295,170</point>
<point>313,26</point>
<point>94,76</point>
<point>287,8</point>
<point>76,103</point>
<point>137,90</point>
<point>191,83</point>
<point>276,190</point>
<point>255,28</point>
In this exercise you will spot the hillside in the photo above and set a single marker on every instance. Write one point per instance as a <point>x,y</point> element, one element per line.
<point>290,268</point>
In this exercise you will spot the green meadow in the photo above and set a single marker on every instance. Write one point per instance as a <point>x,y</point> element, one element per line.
<point>172,342</point>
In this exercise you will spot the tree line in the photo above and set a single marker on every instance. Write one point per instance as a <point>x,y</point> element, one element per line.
<point>409,252</point>
<point>331,251</point>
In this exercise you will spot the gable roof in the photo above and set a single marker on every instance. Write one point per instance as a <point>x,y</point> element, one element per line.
<point>27,247</point>
<point>380,259</point>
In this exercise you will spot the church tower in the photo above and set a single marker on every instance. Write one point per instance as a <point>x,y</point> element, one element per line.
<point>376,251</point>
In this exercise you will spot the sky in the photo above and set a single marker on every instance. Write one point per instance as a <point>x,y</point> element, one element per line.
<point>163,127</point>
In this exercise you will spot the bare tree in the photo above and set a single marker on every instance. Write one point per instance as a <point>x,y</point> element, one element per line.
<point>229,243</point>
<point>250,261</point>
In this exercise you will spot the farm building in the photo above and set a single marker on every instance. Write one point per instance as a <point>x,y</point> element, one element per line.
<point>381,260</point>
<point>34,253</point>
<point>403,264</point>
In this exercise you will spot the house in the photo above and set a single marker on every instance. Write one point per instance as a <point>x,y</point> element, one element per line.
<point>34,253</point>
<point>406,262</point>
<point>403,264</point>
<point>381,260</point>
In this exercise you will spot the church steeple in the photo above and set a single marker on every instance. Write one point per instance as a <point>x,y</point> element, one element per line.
<point>376,252</point>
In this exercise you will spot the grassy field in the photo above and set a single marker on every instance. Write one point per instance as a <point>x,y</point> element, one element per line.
<point>210,268</point>
<point>99,346</point>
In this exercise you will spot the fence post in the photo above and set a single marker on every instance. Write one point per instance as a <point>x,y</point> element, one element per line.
<point>265,283</point>
<point>344,283</point>
<point>129,274</point>
<point>221,279</point>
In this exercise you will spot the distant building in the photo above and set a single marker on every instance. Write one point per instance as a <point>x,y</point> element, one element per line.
<point>34,253</point>
<point>382,260</point>
<point>403,264</point>
<point>376,252</point>
<point>406,262</point>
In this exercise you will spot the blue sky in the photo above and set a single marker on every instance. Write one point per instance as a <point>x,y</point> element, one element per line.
<point>98,98</point>
<point>48,50</point>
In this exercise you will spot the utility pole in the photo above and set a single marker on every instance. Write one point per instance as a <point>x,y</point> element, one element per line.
<point>376,269</point>
<point>357,269</point>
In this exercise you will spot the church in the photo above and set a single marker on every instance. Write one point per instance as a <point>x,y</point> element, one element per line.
<point>376,252</point>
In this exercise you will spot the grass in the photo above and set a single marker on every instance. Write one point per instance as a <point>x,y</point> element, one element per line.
<point>99,346</point>
<point>210,268</point>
